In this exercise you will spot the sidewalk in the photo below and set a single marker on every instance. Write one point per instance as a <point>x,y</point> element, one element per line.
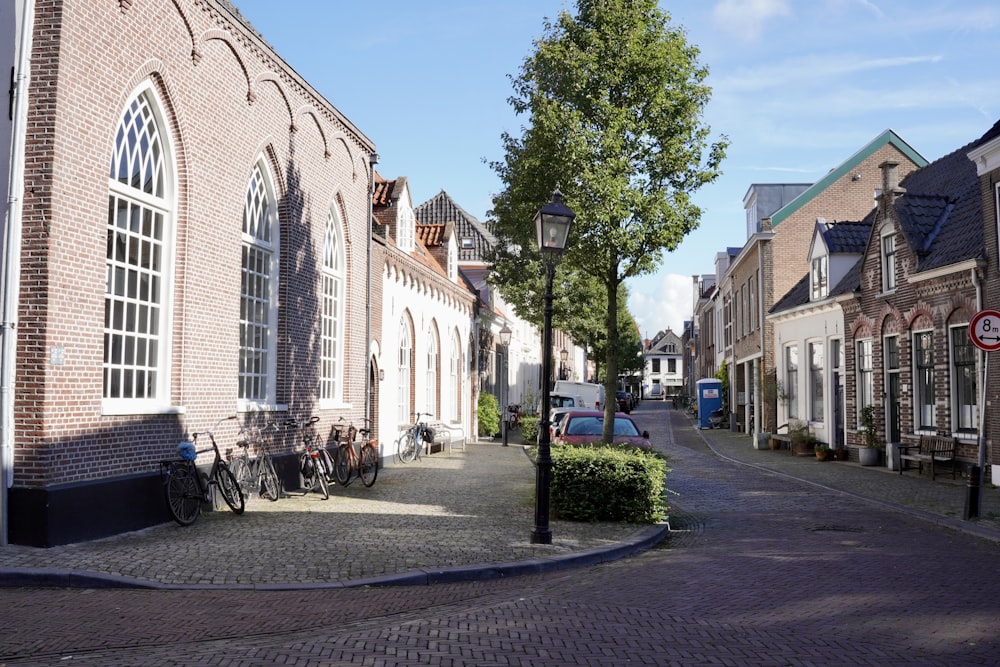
<point>460,515</point>
<point>941,501</point>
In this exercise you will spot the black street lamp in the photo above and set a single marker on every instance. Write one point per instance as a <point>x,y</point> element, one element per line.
<point>552,224</point>
<point>505,335</point>
<point>563,369</point>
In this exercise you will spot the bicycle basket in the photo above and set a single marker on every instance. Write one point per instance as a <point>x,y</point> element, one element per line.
<point>187,451</point>
<point>428,434</point>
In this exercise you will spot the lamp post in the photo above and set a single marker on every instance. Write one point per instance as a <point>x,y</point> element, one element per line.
<point>552,224</point>
<point>563,356</point>
<point>505,334</point>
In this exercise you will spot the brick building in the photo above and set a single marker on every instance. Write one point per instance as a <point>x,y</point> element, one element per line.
<point>188,236</point>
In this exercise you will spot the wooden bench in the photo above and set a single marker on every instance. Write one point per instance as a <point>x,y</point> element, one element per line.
<point>932,449</point>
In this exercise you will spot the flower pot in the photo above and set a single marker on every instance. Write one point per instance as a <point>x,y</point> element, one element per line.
<point>822,454</point>
<point>869,456</point>
<point>840,454</point>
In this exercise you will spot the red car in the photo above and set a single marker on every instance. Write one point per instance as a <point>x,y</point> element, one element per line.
<point>585,426</point>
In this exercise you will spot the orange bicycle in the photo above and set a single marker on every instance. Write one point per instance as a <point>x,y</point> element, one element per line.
<point>363,461</point>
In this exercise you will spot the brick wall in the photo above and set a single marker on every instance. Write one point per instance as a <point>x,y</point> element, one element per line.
<point>226,101</point>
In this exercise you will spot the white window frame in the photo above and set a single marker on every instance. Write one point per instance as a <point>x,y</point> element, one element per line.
<point>406,229</point>
<point>887,249</point>
<point>454,372</point>
<point>404,369</point>
<point>924,395</point>
<point>332,294</point>
<point>817,371</point>
<point>431,372</point>
<point>819,278</point>
<point>865,375</point>
<point>963,371</point>
<point>259,308</point>
<point>144,348</point>
<point>791,359</point>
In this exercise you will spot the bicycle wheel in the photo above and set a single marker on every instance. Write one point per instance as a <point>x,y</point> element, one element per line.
<point>320,478</point>
<point>269,477</point>
<point>182,493</point>
<point>244,476</point>
<point>408,447</point>
<point>342,464</point>
<point>368,465</point>
<point>230,489</point>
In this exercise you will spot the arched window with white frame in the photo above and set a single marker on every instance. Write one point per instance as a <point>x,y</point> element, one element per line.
<point>332,313</point>
<point>454,375</point>
<point>259,291</point>
<point>405,365</point>
<point>431,378</point>
<point>139,261</point>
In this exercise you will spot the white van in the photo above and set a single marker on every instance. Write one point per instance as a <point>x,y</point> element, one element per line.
<point>591,395</point>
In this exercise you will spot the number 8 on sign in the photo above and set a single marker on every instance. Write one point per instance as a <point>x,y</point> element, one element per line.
<point>984,330</point>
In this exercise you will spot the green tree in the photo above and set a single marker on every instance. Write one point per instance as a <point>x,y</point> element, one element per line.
<point>615,96</point>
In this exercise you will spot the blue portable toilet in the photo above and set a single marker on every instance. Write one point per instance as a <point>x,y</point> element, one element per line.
<point>709,399</point>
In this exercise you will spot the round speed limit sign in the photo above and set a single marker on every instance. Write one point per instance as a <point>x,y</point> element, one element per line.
<point>984,330</point>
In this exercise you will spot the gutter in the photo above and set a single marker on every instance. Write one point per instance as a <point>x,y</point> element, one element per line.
<point>12,259</point>
<point>369,423</point>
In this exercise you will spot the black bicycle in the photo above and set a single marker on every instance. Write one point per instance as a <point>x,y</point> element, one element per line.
<point>315,463</point>
<point>184,488</point>
<point>256,474</point>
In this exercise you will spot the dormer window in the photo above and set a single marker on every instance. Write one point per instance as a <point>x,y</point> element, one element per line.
<point>888,262</point>
<point>406,229</point>
<point>468,243</point>
<point>818,280</point>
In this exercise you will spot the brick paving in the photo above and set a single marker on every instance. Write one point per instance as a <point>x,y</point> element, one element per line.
<point>448,516</point>
<point>760,569</point>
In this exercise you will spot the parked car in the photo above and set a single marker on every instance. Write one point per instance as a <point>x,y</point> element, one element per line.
<point>584,426</point>
<point>624,402</point>
<point>555,418</point>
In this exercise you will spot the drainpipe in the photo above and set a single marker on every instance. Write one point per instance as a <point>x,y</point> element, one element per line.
<point>372,161</point>
<point>12,260</point>
<point>986,376</point>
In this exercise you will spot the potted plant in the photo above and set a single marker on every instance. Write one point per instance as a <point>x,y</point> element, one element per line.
<point>870,452</point>
<point>803,441</point>
<point>822,452</point>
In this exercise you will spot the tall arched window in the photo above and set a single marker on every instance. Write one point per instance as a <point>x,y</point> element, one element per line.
<point>454,373</point>
<point>259,292</point>
<point>405,355</point>
<point>140,248</point>
<point>331,317</point>
<point>431,386</point>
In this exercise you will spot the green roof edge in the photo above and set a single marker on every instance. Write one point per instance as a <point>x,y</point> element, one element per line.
<point>887,137</point>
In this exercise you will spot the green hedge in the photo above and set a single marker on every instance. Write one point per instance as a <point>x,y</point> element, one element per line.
<point>608,483</point>
<point>489,414</point>
<point>529,430</point>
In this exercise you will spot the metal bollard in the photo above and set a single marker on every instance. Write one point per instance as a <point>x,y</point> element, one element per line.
<point>972,494</point>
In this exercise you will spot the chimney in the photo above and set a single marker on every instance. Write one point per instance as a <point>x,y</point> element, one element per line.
<point>890,180</point>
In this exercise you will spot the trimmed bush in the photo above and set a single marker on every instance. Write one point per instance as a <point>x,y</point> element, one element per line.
<point>529,430</point>
<point>608,483</point>
<point>489,414</point>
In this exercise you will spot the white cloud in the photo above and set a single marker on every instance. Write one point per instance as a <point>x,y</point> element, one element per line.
<point>746,18</point>
<point>659,302</point>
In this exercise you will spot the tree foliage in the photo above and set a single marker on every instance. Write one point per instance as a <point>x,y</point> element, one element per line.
<point>614,97</point>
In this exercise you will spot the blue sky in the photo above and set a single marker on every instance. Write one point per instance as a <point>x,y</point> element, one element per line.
<point>798,87</point>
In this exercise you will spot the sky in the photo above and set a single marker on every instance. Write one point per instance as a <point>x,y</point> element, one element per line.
<point>798,86</point>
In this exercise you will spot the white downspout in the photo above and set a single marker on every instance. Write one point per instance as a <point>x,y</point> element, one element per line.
<point>12,260</point>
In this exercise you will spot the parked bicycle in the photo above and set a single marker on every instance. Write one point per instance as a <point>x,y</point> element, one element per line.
<point>184,488</point>
<point>362,461</point>
<point>315,463</point>
<point>412,440</point>
<point>256,474</point>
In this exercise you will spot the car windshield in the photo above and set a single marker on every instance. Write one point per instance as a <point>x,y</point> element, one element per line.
<point>595,426</point>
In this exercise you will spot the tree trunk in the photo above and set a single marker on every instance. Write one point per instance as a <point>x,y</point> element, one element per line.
<point>610,355</point>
